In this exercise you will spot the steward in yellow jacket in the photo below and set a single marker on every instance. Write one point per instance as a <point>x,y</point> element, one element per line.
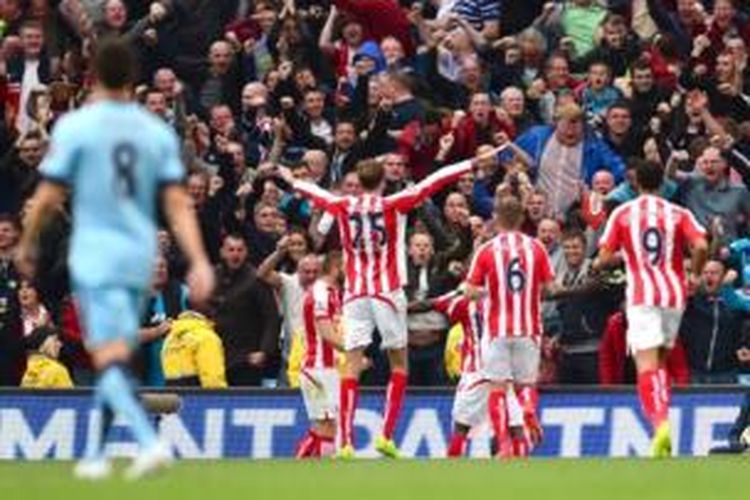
<point>193,354</point>
<point>43,370</point>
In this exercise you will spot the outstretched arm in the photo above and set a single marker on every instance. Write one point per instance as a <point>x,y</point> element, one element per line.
<point>435,182</point>
<point>320,197</point>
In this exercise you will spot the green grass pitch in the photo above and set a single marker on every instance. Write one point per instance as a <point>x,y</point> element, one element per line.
<point>606,479</point>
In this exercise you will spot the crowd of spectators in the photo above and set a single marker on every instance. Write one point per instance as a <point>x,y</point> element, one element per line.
<point>582,91</point>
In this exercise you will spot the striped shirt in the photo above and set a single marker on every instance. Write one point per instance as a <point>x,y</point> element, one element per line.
<point>469,314</point>
<point>373,230</point>
<point>321,302</point>
<point>478,12</point>
<point>652,233</point>
<point>512,268</point>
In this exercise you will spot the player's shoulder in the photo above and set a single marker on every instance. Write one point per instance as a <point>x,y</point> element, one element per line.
<point>155,125</point>
<point>624,209</point>
<point>73,122</point>
<point>487,246</point>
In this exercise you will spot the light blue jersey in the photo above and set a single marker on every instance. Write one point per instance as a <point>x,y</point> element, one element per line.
<point>114,156</point>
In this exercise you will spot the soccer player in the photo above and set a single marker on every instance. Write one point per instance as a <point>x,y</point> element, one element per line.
<point>472,392</point>
<point>513,270</point>
<point>373,233</point>
<point>319,378</point>
<point>116,158</point>
<point>652,233</point>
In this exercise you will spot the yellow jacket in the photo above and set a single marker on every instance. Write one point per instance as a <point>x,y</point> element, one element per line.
<point>453,356</point>
<point>43,372</point>
<point>193,349</point>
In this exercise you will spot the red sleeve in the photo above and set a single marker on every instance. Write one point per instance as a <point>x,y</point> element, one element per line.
<point>544,270</point>
<point>417,193</point>
<point>478,269</point>
<point>319,197</point>
<point>611,239</point>
<point>442,304</point>
<point>690,227</point>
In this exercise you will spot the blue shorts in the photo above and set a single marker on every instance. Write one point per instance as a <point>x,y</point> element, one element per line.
<point>109,314</point>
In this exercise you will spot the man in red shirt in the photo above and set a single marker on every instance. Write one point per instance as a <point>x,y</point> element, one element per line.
<point>319,378</point>
<point>651,232</point>
<point>512,270</point>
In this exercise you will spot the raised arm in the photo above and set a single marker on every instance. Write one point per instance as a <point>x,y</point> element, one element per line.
<point>325,41</point>
<point>267,270</point>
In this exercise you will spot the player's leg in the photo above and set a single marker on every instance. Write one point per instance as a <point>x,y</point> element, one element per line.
<point>309,443</point>
<point>111,321</point>
<point>349,399</point>
<point>325,427</point>
<point>520,437</point>
<point>469,410</point>
<point>647,340</point>
<point>525,359</point>
<point>358,327</point>
<point>496,367</point>
<point>326,433</point>
<point>459,440</point>
<point>390,318</point>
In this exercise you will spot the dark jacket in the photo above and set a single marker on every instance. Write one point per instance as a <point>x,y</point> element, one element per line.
<point>12,359</point>
<point>584,309</point>
<point>439,280</point>
<point>17,182</point>
<point>245,314</point>
<point>711,331</point>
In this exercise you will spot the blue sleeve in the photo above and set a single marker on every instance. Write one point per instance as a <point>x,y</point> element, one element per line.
<point>529,142</point>
<point>620,194</point>
<point>483,200</point>
<point>610,160</point>
<point>60,163</point>
<point>171,169</point>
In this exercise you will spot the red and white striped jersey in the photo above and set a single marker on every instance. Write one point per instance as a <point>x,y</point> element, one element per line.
<point>513,269</point>
<point>470,314</point>
<point>652,233</point>
<point>373,229</point>
<point>321,302</point>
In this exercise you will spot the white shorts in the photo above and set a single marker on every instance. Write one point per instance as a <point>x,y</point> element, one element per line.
<point>506,359</point>
<point>470,403</point>
<point>386,312</point>
<point>320,390</point>
<point>651,327</point>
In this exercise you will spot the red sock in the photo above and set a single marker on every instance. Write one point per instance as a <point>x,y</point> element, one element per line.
<point>307,445</point>
<point>498,410</point>
<point>348,405</point>
<point>393,399</point>
<point>327,446</point>
<point>653,392</point>
<point>528,398</point>
<point>457,447</point>
<point>520,447</point>
<point>666,390</point>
